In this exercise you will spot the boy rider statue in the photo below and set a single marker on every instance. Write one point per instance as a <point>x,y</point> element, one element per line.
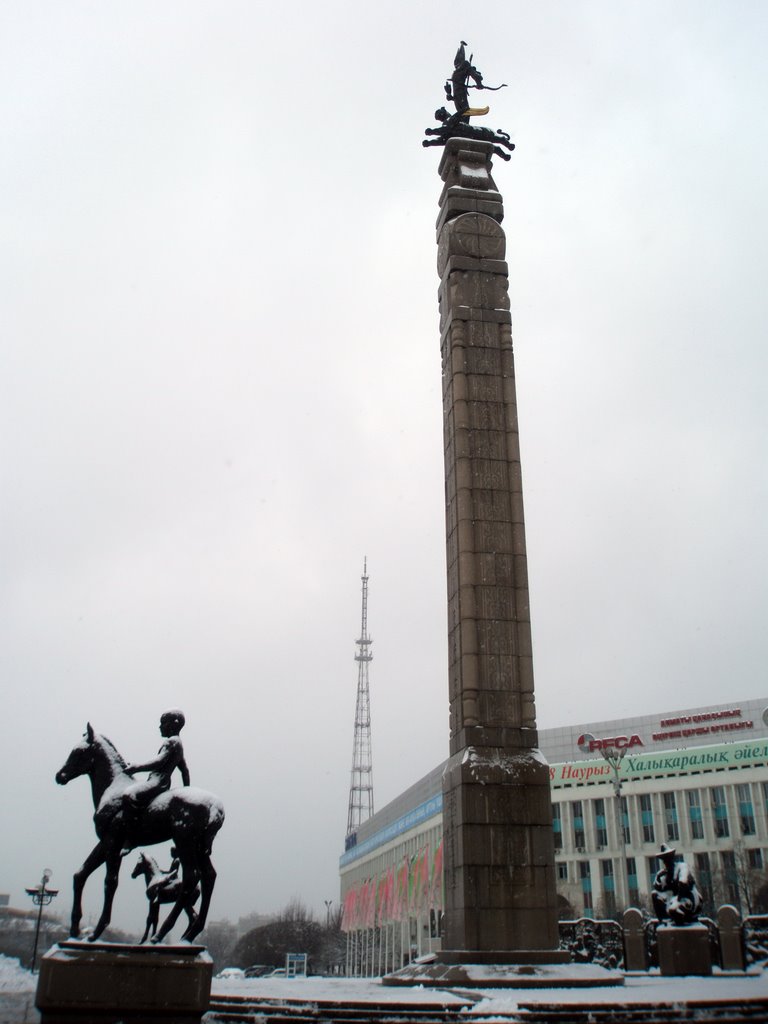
<point>170,756</point>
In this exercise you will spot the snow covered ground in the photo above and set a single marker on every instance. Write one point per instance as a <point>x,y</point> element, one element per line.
<point>17,993</point>
<point>17,987</point>
<point>14,978</point>
<point>640,988</point>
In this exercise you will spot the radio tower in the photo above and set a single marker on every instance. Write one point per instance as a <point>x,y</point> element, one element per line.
<point>361,786</point>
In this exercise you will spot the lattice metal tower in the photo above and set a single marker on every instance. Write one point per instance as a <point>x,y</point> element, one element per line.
<point>361,786</point>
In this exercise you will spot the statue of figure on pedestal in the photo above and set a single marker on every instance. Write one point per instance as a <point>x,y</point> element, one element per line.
<point>130,814</point>
<point>675,895</point>
<point>457,91</point>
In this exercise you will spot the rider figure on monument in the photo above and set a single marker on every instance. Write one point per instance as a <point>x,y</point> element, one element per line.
<point>170,756</point>
<point>457,85</point>
<point>458,124</point>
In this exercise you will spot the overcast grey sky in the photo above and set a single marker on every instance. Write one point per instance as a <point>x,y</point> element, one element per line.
<point>220,380</point>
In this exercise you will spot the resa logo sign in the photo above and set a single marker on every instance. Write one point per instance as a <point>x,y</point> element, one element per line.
<point>588,743</point>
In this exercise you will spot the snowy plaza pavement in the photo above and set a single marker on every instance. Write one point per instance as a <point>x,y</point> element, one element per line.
<point>17,992</point>
<point>637,988</point>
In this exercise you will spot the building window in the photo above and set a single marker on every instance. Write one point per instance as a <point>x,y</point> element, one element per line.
<point>746,810</point>
<point>586,886</point>
<point>654,865</point>
<point>606,867</point>
<point>670,817</point>
<point>601,833</point>
<point>578,824</point>
<point>730,877</point>
<point>719,812</point>
<point>609,889</point>
<point>634,889</point>
<point>694,814</point>
<point>646,817</point>
<point>625,821</point>
<point>755,859</point>
<point>703,873</point>
<point>562,871</point>
<point>557,826</point>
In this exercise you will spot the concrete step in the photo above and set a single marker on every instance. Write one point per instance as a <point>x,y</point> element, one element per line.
<point>702,1012</point>
<point>243,1010</point>
<point>234,1009</point>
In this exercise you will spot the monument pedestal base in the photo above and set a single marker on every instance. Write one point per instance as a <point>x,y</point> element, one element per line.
<point>520,968</point>
<point>115,983</point>
<point>521,957</point>
<point>684,950</point>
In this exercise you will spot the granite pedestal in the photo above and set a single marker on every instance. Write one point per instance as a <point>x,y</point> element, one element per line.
<point>684,950</point>
<point>114,983</point>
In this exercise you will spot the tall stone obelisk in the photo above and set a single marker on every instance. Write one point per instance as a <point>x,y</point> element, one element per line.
<point>500,902</point>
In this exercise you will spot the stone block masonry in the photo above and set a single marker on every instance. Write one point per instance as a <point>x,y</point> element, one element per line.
<point>499,854</point>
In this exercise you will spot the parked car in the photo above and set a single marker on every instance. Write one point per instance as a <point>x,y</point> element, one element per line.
<point>257,970</point>
<point>231,973</point>
<point>279,972</point>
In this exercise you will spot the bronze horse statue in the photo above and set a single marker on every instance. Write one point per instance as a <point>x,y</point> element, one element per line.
<point>188,817</point>
<point>162,887</point>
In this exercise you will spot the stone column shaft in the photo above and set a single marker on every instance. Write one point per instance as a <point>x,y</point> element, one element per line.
<point>499,854</point>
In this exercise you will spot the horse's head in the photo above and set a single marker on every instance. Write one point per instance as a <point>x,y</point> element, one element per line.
<point>142,864</point>
<point>80,760</point>
<point>95,756</point>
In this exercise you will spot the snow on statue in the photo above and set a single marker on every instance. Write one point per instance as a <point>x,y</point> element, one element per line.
<point>675,895</point>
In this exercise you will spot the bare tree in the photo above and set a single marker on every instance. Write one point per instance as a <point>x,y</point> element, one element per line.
<point>748,878</point>
<point>294,930</point>
<point>220,938</point>
<point>736,880</point>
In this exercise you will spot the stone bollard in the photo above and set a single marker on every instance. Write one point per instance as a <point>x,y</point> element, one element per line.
<point>635,949</point>
<point>684,949</point>
<point>731,939</point>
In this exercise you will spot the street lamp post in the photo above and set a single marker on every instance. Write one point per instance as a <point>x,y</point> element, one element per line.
<point>613,756</point>
<point>328,905</point>
<point>41,897</point>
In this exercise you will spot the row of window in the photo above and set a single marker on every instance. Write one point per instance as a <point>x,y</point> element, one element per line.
<point>669,829</point>
<point>369,867</point>
<point>754,861</point>
<point>703,868</point>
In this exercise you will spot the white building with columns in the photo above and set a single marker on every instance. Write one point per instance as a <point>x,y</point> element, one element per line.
<point>695,779</point>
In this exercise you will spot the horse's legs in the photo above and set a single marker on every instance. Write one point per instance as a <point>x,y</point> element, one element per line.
<point>207,882</point>
<point>191,913</point>
<point>154,915</point>
<point>150,922</point>
<point>189,877</point>
<point>189,908</point>
<point>110,885</point>
<point>94,859</point>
